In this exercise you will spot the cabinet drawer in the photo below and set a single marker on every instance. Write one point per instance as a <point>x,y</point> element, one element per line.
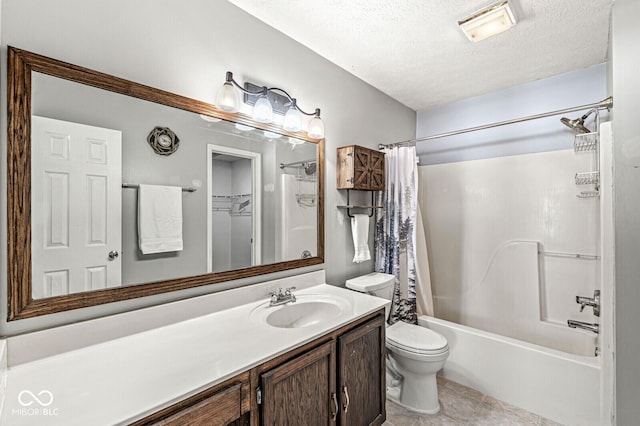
<point>219,409</point>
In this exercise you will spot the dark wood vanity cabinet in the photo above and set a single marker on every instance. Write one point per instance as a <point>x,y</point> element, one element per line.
<point>360,168</point>
<point>342,382</point>
<point>336,379</point>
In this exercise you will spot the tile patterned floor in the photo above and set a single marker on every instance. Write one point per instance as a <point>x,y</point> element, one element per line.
<point>461,405</point>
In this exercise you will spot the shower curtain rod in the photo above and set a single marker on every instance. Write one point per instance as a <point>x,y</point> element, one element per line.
<point>604,104</point>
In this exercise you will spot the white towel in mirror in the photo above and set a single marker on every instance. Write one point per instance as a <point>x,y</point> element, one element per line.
<point>159,218</point>
<point>360,231</point>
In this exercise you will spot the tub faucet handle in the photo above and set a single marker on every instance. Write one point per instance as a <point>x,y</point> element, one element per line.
<point>594,302</point>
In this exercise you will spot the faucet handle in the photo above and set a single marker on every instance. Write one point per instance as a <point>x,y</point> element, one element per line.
<point>275,295</point>
<point>289,290</point>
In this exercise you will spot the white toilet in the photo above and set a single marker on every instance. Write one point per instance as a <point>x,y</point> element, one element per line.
<point>416,353</point>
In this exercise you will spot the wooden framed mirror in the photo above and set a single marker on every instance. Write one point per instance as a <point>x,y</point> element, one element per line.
<point>282,171</point>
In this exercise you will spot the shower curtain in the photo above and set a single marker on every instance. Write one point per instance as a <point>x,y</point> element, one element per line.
<point>395,242</point>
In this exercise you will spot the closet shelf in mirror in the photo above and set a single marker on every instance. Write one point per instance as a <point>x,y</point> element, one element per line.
<point>229,198</point>
<point>136,186</point>
<point>235,205</point>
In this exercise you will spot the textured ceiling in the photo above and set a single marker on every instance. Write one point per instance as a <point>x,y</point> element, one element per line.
<point>414,51</point>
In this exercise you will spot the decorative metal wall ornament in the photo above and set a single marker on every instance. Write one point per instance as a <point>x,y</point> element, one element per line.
<point>163,141</point>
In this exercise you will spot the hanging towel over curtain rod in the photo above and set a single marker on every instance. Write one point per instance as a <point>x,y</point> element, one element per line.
<point>604,104</point>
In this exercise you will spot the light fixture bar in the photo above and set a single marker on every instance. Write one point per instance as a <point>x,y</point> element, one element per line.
<point>489,21</point>
<point>279,103</point>
<point>265,101</point>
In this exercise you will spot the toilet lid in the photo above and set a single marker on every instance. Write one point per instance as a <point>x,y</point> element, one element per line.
<point>414,338</point>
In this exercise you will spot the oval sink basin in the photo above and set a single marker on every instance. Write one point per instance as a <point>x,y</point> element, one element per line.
<point>306,311</point>
<point>298,315</point>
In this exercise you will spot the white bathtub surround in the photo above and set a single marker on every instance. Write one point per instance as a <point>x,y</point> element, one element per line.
<point>298,220</point>
<point>124,379</point>
<point>483,219</point>
<point>502,228</point>
<point>553,384</point>
<point>606,338</point>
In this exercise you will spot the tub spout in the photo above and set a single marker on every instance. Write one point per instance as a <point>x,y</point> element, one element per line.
<point>583,325</point>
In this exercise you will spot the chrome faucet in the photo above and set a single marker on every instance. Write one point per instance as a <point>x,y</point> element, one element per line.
<point>280,298</point>
<point>583,325</point>
<point>594,302</point>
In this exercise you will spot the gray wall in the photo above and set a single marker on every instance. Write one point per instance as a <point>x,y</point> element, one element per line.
<point>625,56</point>
<point>199,41</point>
<point>581,87</point>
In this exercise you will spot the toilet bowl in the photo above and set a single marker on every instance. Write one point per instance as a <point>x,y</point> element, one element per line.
<point>417,353</point>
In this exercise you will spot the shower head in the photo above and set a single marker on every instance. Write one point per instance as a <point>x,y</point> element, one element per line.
<point>310,168</point>
<point>577,124</point>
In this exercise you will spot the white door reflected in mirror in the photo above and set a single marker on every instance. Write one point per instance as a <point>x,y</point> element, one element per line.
<point>76,207</point>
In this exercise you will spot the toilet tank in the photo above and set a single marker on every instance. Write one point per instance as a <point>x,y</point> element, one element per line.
<point>375,283</point>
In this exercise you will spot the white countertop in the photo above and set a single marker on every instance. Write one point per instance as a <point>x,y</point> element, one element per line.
<point>123,380</point>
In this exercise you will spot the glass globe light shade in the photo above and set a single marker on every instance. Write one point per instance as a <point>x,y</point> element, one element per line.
<point>316,128</point>
<point>262,110</point>
<point>292,119</point>
<point>227,98</point>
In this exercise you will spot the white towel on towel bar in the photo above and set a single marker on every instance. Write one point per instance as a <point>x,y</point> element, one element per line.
<point>159,218</point>
<point>360,231</point>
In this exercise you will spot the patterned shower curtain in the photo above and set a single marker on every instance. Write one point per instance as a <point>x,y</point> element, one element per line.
<point>395,230</point>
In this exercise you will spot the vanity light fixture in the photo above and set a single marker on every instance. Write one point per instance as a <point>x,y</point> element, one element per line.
<point>292,119</point>
<point>489,21</point>
<point>269,100</point>
<point>262,110</point>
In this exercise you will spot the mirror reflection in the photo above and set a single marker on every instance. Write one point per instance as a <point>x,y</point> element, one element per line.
<point>110,211</point>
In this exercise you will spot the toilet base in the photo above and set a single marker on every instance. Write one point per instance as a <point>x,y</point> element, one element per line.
<point>420,396</point>
<point>395,397</point>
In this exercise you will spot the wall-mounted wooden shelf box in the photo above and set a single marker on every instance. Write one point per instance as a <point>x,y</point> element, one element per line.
<point>360,168</point>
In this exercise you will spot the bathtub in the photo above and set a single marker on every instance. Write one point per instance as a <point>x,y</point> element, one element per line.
<point>557,385</point>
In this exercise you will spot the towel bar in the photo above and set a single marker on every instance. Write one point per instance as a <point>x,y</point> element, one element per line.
<point>349,206</point>
<point>136,186</point>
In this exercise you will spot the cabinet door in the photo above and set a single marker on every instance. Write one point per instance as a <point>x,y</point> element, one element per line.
<point>376,162</point>
<point>362,168</point>
<point>361,374</point>
<point>302,391</point>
